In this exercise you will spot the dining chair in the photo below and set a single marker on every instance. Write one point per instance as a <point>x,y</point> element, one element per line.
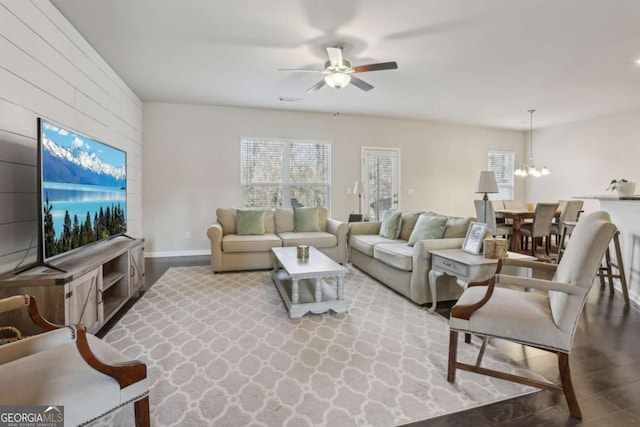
<point>569,212</point>
<point>546,319</point>
<point>540,227</point>
<point>495,228</point>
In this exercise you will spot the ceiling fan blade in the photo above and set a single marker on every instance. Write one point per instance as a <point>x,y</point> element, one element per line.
<point>316,86</point>
<point>335,56</point>
<point>360,83</point>
<point>376,67</point>
<point>304,70</point>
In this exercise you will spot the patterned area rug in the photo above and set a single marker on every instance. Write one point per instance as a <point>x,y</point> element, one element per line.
<point>221,351</point>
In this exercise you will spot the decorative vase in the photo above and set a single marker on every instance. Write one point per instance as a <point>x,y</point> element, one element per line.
<point>626,189</point>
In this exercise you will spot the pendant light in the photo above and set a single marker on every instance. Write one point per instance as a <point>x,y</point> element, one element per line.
<point>530,169</point>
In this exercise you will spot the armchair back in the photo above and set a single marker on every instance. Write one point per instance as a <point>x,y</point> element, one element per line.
<point>579,265</point>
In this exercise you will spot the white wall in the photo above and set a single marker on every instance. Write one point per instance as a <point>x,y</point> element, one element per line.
<point>192,163</point>
<point>48,70</point>
<point>585,156</point>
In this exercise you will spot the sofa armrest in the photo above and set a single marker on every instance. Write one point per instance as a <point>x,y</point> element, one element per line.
<point>338,228</point>
<point>366,227</point>
<point>214,232</point>
<point>434,244</point>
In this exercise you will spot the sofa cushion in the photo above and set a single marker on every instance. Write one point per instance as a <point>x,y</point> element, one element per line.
<point>365,242</point>
<point>409,220</point>
<point>283,220</point>
<point>227,219</point>
<point>305,220</point>
<point>391,224</point>
<point>456,227</point>
<point>269,221</point>
<point>317,239</point>
<point>249,222</point>
<point>428,227</point>
<point>251,243</point>
<point>397,255</point>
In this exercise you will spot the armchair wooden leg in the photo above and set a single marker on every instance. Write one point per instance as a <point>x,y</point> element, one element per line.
<point>453,350</point>
<point>141,408</point>
<point>567,386</point>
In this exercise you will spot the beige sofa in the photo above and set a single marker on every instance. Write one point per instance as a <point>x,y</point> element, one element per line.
<point>233,252</point>
<point>401,267</point>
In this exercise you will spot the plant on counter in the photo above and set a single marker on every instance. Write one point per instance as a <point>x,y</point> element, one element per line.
<point>624,187</point>
<point>615,183</point>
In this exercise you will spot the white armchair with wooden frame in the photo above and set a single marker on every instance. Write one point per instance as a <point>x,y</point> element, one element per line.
<point>65,366</point>
<point>546,320</point>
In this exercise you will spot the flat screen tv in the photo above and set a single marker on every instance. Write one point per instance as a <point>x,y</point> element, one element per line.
<point>83,190</point>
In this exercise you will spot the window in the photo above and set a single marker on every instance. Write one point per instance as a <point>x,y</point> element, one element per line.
<point>284,173</point>
<point>502,163</point>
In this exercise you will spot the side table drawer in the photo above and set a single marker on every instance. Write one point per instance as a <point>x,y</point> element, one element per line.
<point>447,265</point>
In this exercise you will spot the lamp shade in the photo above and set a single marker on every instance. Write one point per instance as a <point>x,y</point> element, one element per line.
<point>487,182</point>
<point>357,188</point>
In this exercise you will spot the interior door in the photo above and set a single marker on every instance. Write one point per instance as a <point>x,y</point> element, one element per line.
<point>380,177</point>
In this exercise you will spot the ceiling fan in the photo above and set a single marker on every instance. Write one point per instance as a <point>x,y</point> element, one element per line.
<point>339,72</point>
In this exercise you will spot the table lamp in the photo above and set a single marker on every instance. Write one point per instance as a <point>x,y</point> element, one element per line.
<point>486,184</point>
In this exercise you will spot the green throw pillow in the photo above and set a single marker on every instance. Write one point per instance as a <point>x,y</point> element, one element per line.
<point>305,219</point>
<point>428,227</point>
<point>391,224</point>
<point>250,222</point>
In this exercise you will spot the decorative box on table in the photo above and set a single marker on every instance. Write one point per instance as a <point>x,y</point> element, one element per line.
<point>495,248</point>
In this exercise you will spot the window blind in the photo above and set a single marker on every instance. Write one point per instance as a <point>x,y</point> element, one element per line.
<point>285,173</point>
<point>503,164</point>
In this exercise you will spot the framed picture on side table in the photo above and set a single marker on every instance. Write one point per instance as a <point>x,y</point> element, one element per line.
<point>475,236</point>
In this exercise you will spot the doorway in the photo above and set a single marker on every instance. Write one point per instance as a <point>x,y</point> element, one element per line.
<point>380,177</point>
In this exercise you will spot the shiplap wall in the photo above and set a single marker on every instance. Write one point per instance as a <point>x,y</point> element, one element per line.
<point>47,69</point>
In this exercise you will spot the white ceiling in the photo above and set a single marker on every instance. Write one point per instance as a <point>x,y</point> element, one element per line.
<point>465,61</point>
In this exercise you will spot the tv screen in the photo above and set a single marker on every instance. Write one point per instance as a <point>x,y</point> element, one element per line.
<point>83,190</point>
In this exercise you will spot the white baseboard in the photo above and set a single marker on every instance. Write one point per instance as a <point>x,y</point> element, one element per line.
<point>163,254</point>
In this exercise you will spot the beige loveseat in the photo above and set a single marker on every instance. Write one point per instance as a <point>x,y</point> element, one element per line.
<point>400,266</point>
<point>232,252</point>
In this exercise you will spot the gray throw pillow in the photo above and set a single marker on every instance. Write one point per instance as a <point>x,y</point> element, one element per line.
<point>250,222</point>
<point>305,219</point>
<point>428,227</point>
<point>391,224</point>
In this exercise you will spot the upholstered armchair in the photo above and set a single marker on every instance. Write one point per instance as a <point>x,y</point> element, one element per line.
<point>545,319</point>
<point>65,366</point>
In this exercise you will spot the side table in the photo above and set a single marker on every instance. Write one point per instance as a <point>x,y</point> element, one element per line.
<point>465,267</point>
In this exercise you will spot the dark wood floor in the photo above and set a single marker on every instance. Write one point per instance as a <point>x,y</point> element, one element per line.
<point>605,367</point>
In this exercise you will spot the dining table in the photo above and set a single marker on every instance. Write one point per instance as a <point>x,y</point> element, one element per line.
<point>518,216</point>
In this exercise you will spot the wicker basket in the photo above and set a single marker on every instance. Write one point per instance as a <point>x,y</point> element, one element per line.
<point>9,334</point>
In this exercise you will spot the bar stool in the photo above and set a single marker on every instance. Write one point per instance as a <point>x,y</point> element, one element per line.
<point>606,269</point>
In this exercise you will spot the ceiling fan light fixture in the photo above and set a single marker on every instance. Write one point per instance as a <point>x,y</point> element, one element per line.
<point>337,80</point>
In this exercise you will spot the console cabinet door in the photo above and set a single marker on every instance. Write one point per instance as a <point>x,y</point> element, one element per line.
<point>137,269</point>
<point>81,301</point>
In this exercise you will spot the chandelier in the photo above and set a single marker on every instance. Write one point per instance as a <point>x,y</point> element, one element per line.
<point>530,169</point>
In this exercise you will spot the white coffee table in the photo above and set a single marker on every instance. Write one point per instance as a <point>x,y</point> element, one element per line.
<point>466,268</point>
<point>301,283</point>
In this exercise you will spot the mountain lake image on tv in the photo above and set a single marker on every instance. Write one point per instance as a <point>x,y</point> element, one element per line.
<point>83,190</point>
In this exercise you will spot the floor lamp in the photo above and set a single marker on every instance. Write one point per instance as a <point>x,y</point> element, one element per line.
<point>486,184</point>
<point>357,189</point>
